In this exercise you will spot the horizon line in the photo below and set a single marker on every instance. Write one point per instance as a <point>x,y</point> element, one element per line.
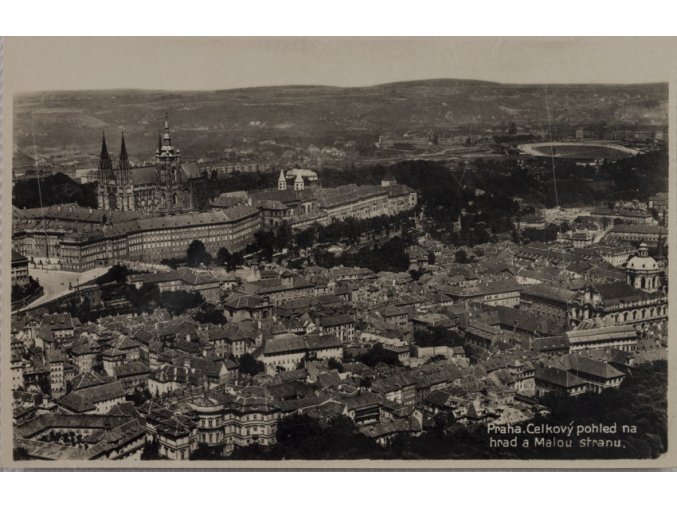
<point>350,87</point>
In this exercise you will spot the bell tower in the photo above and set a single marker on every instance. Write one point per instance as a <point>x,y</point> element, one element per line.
<point>168,171</point>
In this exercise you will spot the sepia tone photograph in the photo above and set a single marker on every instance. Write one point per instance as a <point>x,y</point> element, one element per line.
<point>237,252</point>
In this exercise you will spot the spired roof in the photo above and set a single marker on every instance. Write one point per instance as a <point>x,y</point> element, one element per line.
<point>123,149</point>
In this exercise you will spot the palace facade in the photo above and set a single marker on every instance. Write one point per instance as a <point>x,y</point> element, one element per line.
<point>78,239</point>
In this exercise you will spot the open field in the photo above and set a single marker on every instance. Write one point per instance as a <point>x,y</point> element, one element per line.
<point>578,151</point>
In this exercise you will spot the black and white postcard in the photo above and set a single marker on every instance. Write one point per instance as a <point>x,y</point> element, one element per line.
<point>337,253</point>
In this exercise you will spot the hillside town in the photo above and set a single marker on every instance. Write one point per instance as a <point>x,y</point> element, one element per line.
<point>174,332</point>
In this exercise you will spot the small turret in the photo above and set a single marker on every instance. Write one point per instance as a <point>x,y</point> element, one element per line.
<point>298,182</point>
<point>282,181</point>
<point>643,250</point>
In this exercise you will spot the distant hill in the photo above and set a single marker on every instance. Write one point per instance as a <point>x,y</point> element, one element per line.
<point>67,125</point>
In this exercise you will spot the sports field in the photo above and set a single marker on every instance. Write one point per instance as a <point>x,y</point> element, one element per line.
<point>578,151</point>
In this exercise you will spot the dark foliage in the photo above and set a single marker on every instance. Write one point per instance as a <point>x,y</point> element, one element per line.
<point>139,396</point>
<point>209,314</point>
<point>390,256</point>
<point>20,292</point>
<point>151,451</point>
<point>303,437</point>
<point>461,256</point>
<point>207,452</point>
<point>196,254</point>
<point>55,189</point>
<point>116,274</point>
<point>249,365</point>
<point>335,365</point>
<point>437,337</point>
<point>377,354</point>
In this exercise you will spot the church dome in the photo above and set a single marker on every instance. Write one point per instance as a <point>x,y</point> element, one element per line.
<point>638,263</point>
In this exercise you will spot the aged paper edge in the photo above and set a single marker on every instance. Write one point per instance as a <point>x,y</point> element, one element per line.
<point>10,50</point>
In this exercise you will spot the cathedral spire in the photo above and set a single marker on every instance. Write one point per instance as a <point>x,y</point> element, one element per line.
<point>104,148</point>
<point>124,161</point>
<point>123,149</point>
<point>159,141</point>
<point>105,162</point>
<point>166,139</point>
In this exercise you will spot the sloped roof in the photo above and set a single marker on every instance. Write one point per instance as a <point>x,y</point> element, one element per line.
<point>620,292</point>
<point>295,343</point>
<point>84,400</point>
<point>545,291</point>
<point>585,365</point>
<point>558,377</point>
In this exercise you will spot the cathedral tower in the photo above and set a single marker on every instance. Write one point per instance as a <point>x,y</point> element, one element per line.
<point>168,171</point>
<point>105,162</point>
<point>106,176</point>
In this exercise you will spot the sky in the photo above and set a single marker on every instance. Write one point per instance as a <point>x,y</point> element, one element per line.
<point>35,64</point>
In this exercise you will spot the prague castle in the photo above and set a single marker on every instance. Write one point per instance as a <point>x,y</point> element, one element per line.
<point>151,213</point>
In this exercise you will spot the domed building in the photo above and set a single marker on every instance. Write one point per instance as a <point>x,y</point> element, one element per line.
<point>643,271</point>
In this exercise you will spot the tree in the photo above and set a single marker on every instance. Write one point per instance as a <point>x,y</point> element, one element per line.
<point>210,314</point>
<point>54,189</point>
<point>236,259</point>
<point>335,365</point>
<point>415,275</point>
<point>223,256</point>
<point>377,354</point>
<point>21,453</point>
<point>197,254</point>
<point>249,365</point>
<point>283,237</point>
<point>151,450</point>
<point>461,256</point>
<point>306,237</point>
